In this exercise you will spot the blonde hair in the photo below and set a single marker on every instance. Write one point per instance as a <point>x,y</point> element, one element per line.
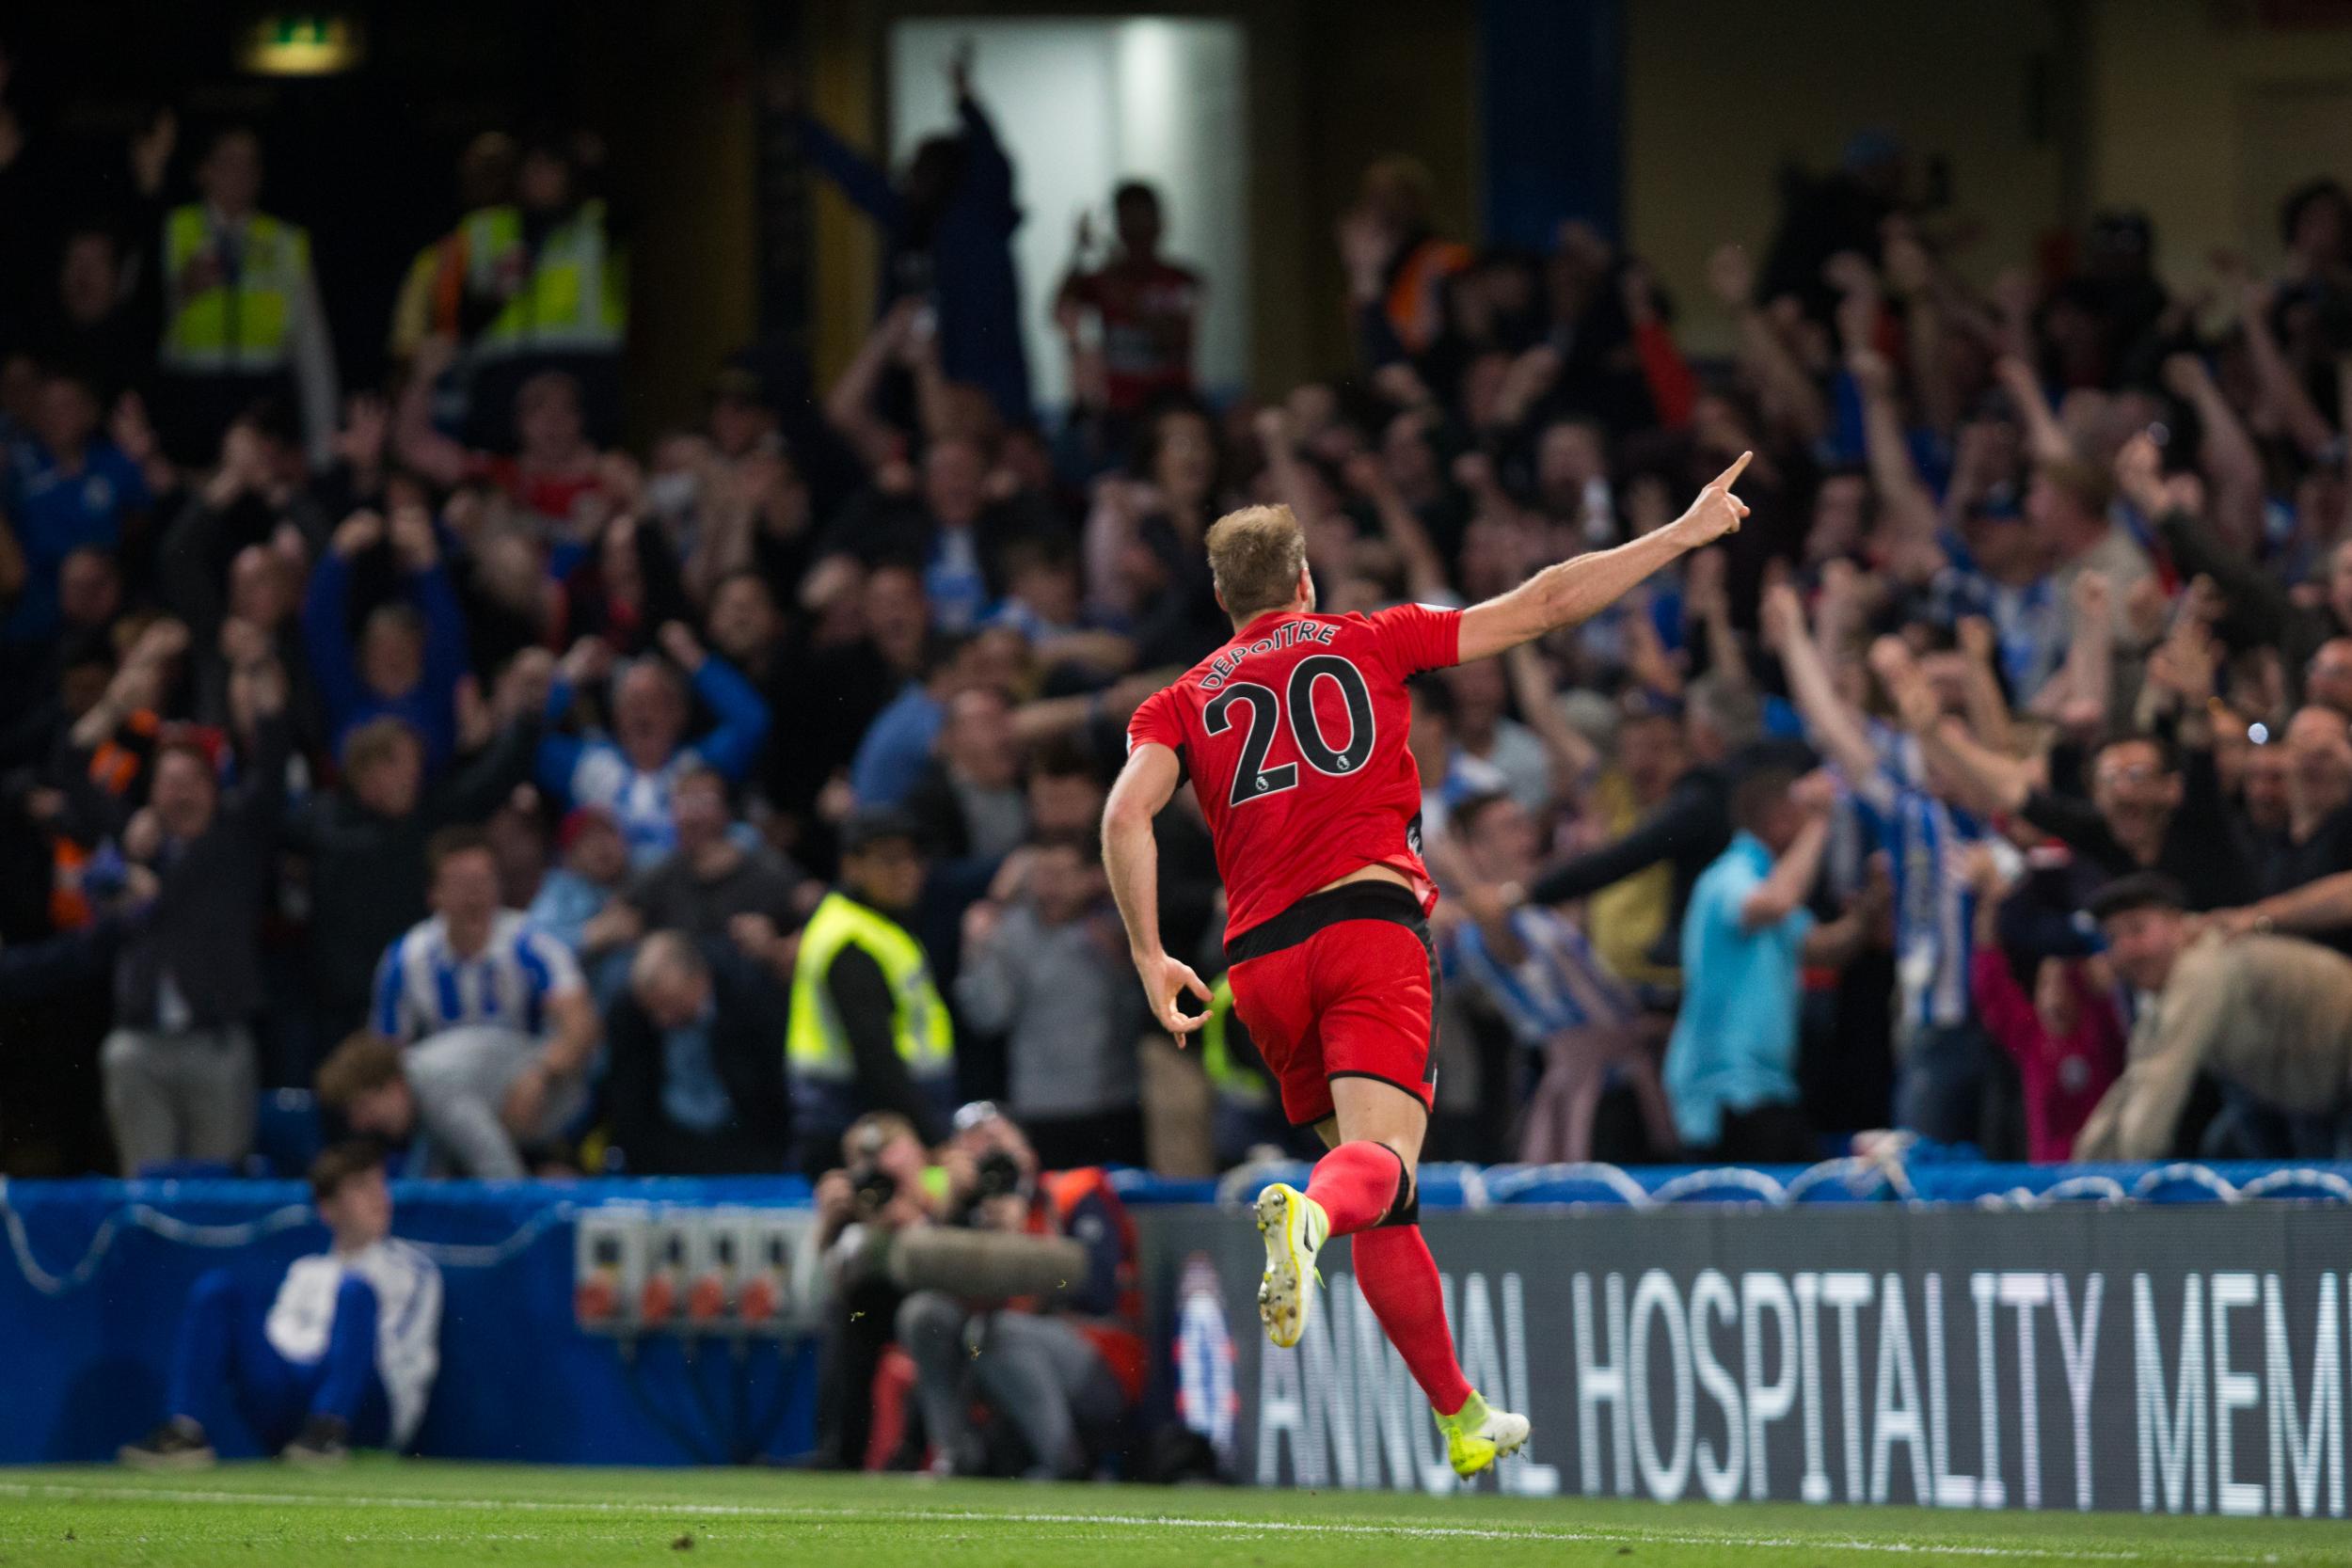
<point>1255,556</point>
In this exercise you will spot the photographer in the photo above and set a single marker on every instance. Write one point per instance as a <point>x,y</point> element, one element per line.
<point>1029,1303</point>
<point>887,1185</point>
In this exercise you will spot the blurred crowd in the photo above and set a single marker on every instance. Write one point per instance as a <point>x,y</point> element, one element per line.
<point>534,804</point>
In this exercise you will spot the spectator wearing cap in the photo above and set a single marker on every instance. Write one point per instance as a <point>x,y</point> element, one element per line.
<point>366,844</point>
<point>2269,1016</point>
<point>693,1084</point>
<point>2063,1035</point>
<point>869,1030</point>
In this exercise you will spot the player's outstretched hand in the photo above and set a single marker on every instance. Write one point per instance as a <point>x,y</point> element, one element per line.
<point>1717,511</point>
<point>1166,979</point>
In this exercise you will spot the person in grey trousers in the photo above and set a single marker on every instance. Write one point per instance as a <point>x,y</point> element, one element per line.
<point>446,1099</point>
<point>179,1067</point>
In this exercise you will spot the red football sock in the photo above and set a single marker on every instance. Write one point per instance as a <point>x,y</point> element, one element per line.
<point>1355,1183</point>
<point>1399,1279</point>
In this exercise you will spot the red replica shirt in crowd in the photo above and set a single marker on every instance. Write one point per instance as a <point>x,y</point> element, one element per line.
<point>1293,735</point>
<point>1148,310</point>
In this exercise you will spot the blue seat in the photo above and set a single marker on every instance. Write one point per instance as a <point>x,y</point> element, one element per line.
<point>288,1132</point>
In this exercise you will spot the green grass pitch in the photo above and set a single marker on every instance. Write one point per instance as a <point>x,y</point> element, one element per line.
<point>394,1513</point>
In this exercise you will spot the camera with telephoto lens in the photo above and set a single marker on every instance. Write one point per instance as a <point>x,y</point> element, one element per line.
<point>998,1175</point>
<point>871,1189</point>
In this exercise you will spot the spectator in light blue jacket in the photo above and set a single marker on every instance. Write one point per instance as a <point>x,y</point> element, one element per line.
<point>1731,1066</point>
<point>410,651</point>
<point>630,771</point>
<point>594,865</point>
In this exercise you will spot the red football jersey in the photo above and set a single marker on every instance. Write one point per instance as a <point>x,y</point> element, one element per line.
<point>1293,735</point>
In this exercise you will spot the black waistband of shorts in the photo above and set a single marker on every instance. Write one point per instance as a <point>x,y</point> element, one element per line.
<point>1365,900</point>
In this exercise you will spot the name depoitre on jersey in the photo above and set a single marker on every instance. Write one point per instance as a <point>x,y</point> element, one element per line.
<point>1294,737</point>
<point>1289,634</point>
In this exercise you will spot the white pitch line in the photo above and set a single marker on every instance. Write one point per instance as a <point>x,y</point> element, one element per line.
<point>1537,1533</point>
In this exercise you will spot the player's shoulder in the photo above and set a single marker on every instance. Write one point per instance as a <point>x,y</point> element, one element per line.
<point>1185,689</point>
<point>1390,618</point>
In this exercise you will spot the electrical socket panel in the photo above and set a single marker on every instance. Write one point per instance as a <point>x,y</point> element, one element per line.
<point>673,1269</point>
<point>671,1240</point>
<point>777,1285</point>
<point>608,1267</point>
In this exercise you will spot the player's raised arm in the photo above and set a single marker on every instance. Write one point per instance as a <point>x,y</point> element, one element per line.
<point>1572,590</point>
<point>1133,860</point>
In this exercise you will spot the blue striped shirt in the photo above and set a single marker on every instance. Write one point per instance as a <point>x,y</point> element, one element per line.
<point>2029,620</point>
<point>423,987</point>
<point>1558,983</point>
<point>1935,908</point>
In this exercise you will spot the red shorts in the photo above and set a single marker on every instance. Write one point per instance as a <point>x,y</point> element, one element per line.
<point>1343,984</point>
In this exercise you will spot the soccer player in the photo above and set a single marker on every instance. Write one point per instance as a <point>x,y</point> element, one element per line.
<point>1294,737</point>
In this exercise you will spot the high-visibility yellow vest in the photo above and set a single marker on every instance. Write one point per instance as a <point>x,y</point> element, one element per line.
<point>576,297</point>
<point>816,1046</point>
<point>1243,1086</point>
<point>412,307</point>
<point>241,326</point>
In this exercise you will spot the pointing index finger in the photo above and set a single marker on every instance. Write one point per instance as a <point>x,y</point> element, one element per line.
<point>1730,476</point>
